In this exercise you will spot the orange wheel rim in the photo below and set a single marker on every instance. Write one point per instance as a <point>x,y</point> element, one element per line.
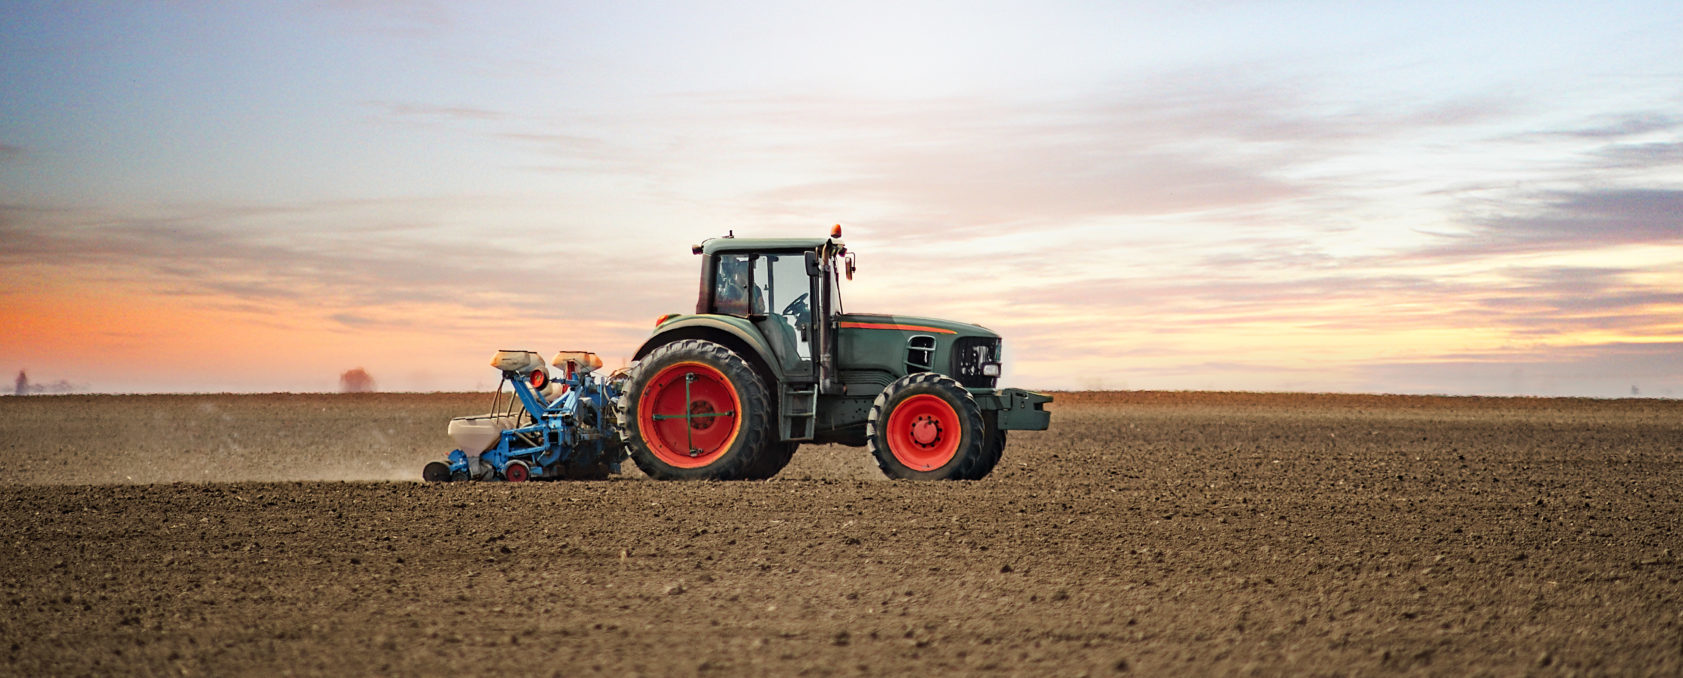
<point>924,432</point>
<point>689,414</point>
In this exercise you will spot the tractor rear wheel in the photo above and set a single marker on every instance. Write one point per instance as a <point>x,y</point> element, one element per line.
<point>772,459</point>
<point>695,410</point>
<point>925,426</point>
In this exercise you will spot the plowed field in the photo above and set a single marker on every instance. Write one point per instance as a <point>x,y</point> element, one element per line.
<point>1145,533</point>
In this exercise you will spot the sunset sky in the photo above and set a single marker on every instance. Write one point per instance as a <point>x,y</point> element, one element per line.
<point>1407,197</point>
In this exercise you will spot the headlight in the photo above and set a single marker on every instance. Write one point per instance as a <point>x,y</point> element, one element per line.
<point>976,361</point>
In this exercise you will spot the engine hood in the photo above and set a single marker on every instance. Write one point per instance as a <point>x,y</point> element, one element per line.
<point>911,324</point>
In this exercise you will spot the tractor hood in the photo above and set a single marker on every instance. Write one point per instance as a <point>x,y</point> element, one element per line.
<point>911,324</point>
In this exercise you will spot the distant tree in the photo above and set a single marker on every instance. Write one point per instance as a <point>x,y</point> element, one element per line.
<point>356,380</point>
<point>27,387</point>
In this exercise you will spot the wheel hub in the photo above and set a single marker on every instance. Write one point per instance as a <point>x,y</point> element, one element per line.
<point>923,432</point>
<point>700,415</point>
<point>926,431</point>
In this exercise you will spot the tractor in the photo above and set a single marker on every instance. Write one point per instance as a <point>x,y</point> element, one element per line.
<point>769,361</point>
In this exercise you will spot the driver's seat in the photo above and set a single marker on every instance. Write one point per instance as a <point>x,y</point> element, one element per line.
<point>781,335</point>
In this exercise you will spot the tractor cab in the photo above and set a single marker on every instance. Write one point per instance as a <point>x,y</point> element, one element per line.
<point>785,287</point>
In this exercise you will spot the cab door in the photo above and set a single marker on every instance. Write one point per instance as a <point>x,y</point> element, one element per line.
<point>783,313</point>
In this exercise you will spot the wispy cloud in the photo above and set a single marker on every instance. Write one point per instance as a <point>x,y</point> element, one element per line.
<point>424,112</point>
<point>1573,221</point>
<point>1635,124</point>
<point>352,319</point>
<point>1641,156</point>
<point>238,255</point>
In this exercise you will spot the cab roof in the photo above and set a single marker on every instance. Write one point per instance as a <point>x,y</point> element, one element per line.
<point>713,246</point>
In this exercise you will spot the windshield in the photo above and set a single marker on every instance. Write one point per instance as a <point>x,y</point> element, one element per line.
<point>761,284</point>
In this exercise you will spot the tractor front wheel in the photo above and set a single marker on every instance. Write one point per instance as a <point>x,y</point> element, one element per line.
<point>925,426</point>
<point>994,447</point>
<point>695,410</point>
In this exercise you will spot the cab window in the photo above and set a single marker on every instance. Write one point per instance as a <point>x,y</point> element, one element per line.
<point>734,292</point>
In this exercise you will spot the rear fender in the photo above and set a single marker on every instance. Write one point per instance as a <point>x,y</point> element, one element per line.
<point>737,334</point>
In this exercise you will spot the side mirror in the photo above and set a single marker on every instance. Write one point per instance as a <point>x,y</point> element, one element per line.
<point>812,264</point>
<point>850,266</point>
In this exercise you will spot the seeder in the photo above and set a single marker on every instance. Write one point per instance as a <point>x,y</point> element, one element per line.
<point>558,427</point>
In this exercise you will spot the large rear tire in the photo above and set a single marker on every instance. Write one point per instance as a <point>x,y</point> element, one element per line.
<point>771,460</point>
<point>694,410</point>
<point>925,426</point>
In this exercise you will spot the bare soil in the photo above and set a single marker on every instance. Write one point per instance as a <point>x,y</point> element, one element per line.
<point>1145,533</point>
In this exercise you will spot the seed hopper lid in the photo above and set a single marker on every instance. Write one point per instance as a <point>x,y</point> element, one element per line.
<point>581,361</point>
<point>518,362</point>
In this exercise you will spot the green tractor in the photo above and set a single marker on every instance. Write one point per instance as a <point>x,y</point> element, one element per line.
<point>769,360</point>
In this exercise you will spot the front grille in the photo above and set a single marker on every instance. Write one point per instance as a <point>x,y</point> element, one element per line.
<point>969,353</point>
